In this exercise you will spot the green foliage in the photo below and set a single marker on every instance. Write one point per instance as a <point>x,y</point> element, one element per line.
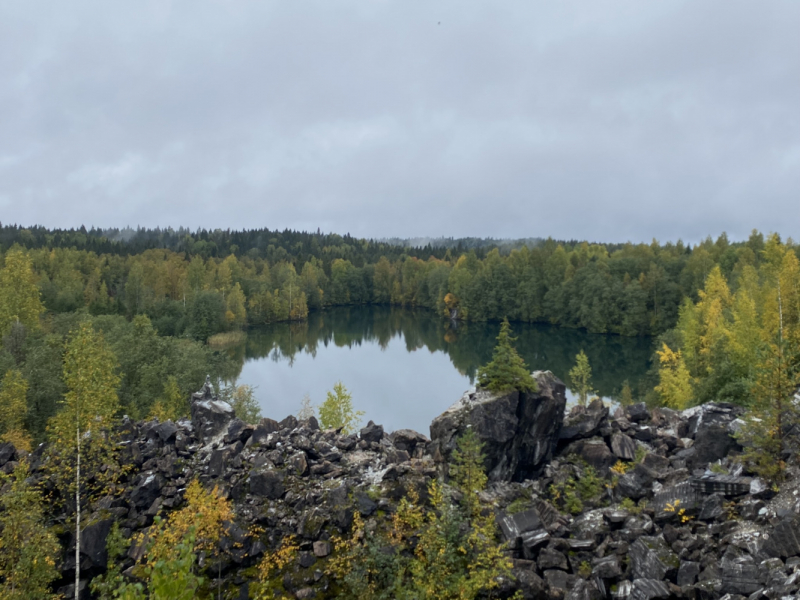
<point>506,371</point>
<point>28,550</point>
<point>337,410</point>
<point>111,584</point>
<point>13,407</point>
<point>572,493</point>
<point>243,400</point>
<point>581,378</point>
<point>19,294</point>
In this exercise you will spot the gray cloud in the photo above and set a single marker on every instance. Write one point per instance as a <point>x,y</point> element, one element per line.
<point>600,120</point>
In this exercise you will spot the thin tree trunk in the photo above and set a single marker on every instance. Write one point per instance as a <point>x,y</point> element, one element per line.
<point>78,508</point>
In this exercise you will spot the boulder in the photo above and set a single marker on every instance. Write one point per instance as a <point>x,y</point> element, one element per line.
<point>147,490</point>
<point>636,413</point>
<point>7,453</point>
<point>210,416</point>
<point>261,432</point>
<point>785,539</point>
<point>623,447</point>
<point>372,432</point>
<point>266,483</point>
<point>408,440</point>
<point>519,430</point>
<point>93,542</point>
<point>583,421</point>
<point>652,558</point>
<point>711,427</point>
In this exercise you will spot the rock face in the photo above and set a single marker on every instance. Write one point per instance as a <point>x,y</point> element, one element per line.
<point>519,430</point>
<point>210,416</point>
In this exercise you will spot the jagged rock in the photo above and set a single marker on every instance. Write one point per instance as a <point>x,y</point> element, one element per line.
<point>147,490</point>
<point>635,484</point>
<point>709,425</point>
<point>93,542</point>
<point>266,483</point>
<point>551,559</point>
<point>712,507</point>
<point>785,539</point>
<point>519,430</point>
<point>372,432</point>
<point>740,576</point>
<point>636,413</point>
<point>649,589</point>
<point>652,558</point>
<point>210,416</point>
<point>322,549</point>
<point>7,453</point>
<point>513,526</point>
<point>238,431</point>
<point>607,567</point>
<point>289,423</point>
<point>298,464</point>
<point>164,432</point>
<point>559,580</point>
<point>584,590</point>
<point>688,572</point>
<point>408,440</point>
<point>583,422</point>
<point>623,447</point>
<point>531,585</point>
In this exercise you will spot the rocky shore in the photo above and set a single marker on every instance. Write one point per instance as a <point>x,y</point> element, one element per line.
<point>639,504</point>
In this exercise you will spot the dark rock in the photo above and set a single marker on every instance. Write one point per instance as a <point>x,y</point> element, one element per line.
<point>688,572</point>
<point>559,580</point>
<point>210,416</point>
<point>583,422</point>
<point>652,558</point>
<point>365,505</point>
<point>673,498</point>
<point>7,453</point>
<point>727,485</point>
<point>636,413</point>
<point>531,540</point>
<point>596,454</point>
<point>785,539</point>
<point>740,576</point>
<point>551,559</point>
<point>635,484</point>
<point>607,567</point>
<point>519,430</point>
<point>164,432</point>
<point>530,584</point>
<point>712,507</point>
<point>649,589</point>
<point>513,526</point>
<point>623,447</point>
<point>217,462</point>
<point>93,542</point>
<point>288,423</point>
<point>262,431</point>
<point>372,432</point>
<point>147,490</point>
<point>297,464</point>
<point>408,440</point>
<point>266,483</point>
<point>584,590</point>
<point>710,426</point>
<point>238,431</point>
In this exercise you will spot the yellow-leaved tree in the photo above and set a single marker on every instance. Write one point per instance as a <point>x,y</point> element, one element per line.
<point>19,292</point>
<point>13,408</point>
<point>675,383</point>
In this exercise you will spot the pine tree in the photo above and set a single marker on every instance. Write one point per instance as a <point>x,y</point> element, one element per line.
<point>28,550</point>
<point>507,370</point>
<point>581,377</point>
<point>468,472</point>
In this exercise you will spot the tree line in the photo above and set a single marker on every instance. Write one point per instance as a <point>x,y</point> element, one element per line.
<point>260,277</point>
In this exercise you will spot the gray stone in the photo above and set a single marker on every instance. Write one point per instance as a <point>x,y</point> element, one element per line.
<point>785,538</point>
<point>164,432</point>
<point>712,507</point>
<point>649,589</point>
<point>513,526</point>
<point>623,447</point>
<point>372,432</point>
<point>266,483</point>
<point>583,422</point>
<point>688,572</point>
<point>636,413</point>
<point>93,542</point>
<point>740,576</point>
<point>607,567</point>
<point>551,559</point>
<point>408,440</point>
<point>210,416</point>
<point>519,430</point>
<point>322,549</point>
<point>147,490</point>
<point>584,590</point>
<point>652,558</point>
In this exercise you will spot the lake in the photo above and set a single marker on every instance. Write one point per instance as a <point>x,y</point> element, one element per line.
<point>404,367</point>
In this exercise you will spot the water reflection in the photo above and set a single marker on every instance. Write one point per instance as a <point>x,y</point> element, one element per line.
<point>366,343</point>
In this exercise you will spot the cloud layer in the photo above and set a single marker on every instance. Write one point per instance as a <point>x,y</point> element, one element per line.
<point>599,120</point>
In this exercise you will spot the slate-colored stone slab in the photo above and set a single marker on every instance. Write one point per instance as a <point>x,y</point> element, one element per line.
<point>649,589</point>
<point>727,485</point>
<point>513,526</point>
<point>652,558</point>
<point>785,539</point>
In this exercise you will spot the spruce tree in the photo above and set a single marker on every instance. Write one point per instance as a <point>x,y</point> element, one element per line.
<point>581,377</point>
<point>507,370</point>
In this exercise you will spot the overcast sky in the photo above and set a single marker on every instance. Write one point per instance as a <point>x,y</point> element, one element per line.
<point>599,120</point>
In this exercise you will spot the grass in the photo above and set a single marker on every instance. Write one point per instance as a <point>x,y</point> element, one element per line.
<point>228,338</point>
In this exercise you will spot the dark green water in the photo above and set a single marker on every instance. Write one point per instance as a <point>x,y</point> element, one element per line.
<point>404,366</point>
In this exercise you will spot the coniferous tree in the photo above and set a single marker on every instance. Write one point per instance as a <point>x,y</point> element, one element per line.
<point>507,370</point>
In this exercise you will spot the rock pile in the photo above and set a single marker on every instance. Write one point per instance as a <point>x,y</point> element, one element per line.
<point>678,520</point>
